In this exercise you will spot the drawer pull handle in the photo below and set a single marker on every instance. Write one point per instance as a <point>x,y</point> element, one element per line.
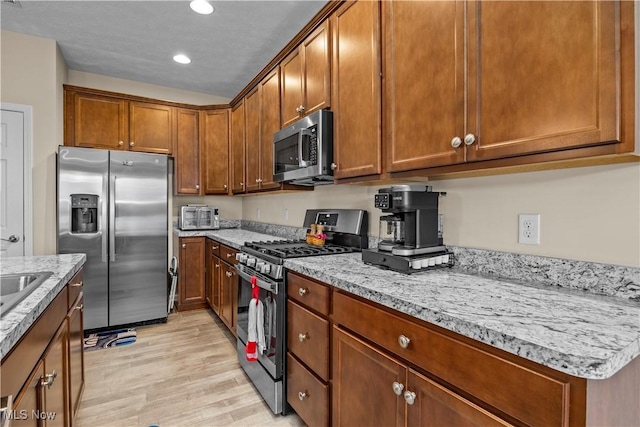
<point>397,388</point>
<point>302,395</point>
<point>49,379</point>
<point>303,337</point>
<point>215,248</point>
<point>303,291</point>
<point>79,307</point>
<point>409,397</point>
<point>403,341</point>
<point>229,255</point>
<point>217,265</point>
<point>77,285</point>
<point>228,273</point>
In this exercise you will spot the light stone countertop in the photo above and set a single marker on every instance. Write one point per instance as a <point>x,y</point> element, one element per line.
<point>574,332</point>
<point>17,321</point>
<point>234,237</point>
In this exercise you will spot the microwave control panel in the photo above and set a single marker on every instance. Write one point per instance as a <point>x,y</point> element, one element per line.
<point>311,154</point>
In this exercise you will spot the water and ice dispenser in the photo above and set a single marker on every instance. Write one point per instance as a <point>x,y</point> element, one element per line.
<point>84,213</point>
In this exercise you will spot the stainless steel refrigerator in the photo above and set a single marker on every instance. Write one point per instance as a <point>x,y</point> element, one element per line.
<point>112,206</point>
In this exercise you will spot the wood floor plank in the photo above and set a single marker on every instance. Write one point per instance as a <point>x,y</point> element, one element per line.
<point>181,373</point>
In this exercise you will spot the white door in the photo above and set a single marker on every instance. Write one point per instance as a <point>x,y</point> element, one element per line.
<point>12,142</point>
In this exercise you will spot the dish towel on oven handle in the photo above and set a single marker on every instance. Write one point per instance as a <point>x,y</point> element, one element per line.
<point>255,338</point>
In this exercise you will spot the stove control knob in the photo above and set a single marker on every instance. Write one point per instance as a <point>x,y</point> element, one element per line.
<point>266,268</point>
<point>251,262</point>
<point>259,266</point>
<point>243,258</point>
<point>238,256</point>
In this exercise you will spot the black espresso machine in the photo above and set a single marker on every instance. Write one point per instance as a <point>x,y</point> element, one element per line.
<point>411,235</point>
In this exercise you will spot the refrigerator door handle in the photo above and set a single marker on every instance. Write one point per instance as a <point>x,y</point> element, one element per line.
<point>103,215</point>
<point>112,218</point>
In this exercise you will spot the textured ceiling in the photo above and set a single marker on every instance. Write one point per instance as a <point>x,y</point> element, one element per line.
<point>136,40</point>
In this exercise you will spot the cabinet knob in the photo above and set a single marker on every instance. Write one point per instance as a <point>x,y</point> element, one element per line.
<point>131,144</point>
<point>224,186</point>
<point>229,274</point>
<point>300,109</point>
<point>242,184</point>
<point>302,395</point>
<point>229,255</point>
<point>303,291</point>
<point>184,246</point>
<point>397,388</point>
<point>257,180</point>
<point>469,139</point>
<point>334,166</point>
<point>403,341</point>
<point>409,397</point>
<point>303,337</point>
<point>214,248</point>
<point>49,379</point>
<point>79,307</point>
<point>197,186</point>
<point>120,143</point>
<point>456,142</point>
<point>217,265</point>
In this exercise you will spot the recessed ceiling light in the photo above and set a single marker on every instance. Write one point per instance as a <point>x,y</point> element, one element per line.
<point>182,59</point>
<point>201,6</point>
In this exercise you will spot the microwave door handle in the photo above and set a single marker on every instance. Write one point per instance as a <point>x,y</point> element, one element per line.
<point>302,162</point>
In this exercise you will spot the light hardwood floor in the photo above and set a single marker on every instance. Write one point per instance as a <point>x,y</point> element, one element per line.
<point>182,373</point>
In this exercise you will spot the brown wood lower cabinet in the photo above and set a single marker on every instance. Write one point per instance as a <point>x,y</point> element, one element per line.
<point>44,372</point>
<point>191,273</point>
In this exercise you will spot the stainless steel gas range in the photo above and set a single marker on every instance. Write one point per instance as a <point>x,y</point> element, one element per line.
<point>262,329</point>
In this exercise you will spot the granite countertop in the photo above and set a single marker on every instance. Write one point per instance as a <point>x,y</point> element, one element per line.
<point>17,321</point>
<point>580,334</point>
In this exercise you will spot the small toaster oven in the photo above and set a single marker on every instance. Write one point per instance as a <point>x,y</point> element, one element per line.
<point>198,217</point>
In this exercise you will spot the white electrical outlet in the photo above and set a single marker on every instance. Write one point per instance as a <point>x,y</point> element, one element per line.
<point>257,213</point>
<point>529,229</point>
<point>285,213</point>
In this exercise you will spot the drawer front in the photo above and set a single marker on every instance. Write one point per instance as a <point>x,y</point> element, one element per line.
<point>228,254</point>
<point>75,288</point>
<point>308,338</point>
<point>308,396</point>
<point>526,395</point>
<point>309,293</point>
<point>214,248</point>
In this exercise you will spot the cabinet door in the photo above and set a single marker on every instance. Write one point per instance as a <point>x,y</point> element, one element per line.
<point>363,380</point>
<point>56,403</point>
<point>542,76</point>
<point>30,400</point>
<point>76,355</point>
<point>252,139</point>
<point>187,155</point>
<point>269,125</point>
<point>216,288</point>
<point>96,121</point>
<point>150,128</point>
<point>434,405</point>
<point>191,273</point>
<point>291,99</point>
<point>237,149</point>
<point>356,89</point>
<point>214,125</point>
<point>209,272</point>
<point>424,83</point>
<point>227,295</point>
<point>317,70</point>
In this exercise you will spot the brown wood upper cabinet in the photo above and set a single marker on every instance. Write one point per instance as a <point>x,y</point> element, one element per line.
<point>214,146</point>
<point>102,121</point>
<point>262,119</point>
<point>187,153</point>
<point>237,148</point>
<point>497,79</point>
<point>305,77</point>
<point>356,89</point>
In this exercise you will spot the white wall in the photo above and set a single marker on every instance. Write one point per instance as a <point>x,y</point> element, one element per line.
<point>33,72</point>
<point>588,213</point>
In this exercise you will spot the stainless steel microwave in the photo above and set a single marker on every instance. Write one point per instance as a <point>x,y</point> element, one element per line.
<point>303,152</point>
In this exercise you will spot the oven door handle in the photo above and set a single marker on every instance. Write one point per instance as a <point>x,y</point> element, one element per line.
<point>272,287</point>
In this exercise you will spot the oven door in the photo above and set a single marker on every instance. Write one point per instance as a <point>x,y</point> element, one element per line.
<point>271,321</point>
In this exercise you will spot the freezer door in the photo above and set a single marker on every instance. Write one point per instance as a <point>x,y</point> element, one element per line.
<point>138,237</point>
<point>83,172</point>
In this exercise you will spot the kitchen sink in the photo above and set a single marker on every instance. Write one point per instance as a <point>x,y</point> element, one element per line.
<point>15,287</point>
